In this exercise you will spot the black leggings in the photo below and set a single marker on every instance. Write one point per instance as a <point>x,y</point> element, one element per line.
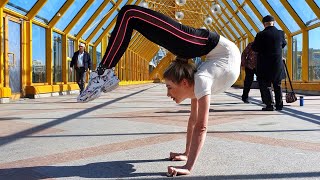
<point>179,39</point>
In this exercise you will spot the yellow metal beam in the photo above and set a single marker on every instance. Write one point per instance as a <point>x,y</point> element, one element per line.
<point>231,21</point>
<point>3,3</point>
<point>78,16</point>
<point>92,18</point>
<point>250,36</point>
<point>240,8</point>
<point>49,63</point>
<point>35,9</point>
<point>314,7</point>
<point>102,22</point>
<point>61,11</point>
<point>1,45</point>
<point>104,19</point>
<point>293,14</point>
<point>305,56</point>
<point>275,15</point>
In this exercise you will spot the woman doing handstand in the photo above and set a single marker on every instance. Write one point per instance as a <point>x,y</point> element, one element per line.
<point>183,80</point>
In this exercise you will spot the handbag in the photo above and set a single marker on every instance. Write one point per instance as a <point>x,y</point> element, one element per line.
<point>290,96</point>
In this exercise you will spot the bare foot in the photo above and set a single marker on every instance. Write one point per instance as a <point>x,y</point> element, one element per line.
<point>178,156</point>
<point>177,170</point>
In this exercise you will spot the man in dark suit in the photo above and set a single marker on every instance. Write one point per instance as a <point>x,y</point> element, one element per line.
<point>81,62</point>
<point>270,69</point>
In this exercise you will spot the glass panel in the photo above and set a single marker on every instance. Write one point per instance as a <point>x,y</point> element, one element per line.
<point>253,16</point>
<point>106,24</point>
<point>304,11</point>
<point>123,3</point>
<point>314,54</point>
<point>233,6</point>
<point>14,55</point>
<point>57,57</point>
<point>85,17</point>
<point>263,11</point>
<point>238,25</point>
<point>221,4</point>
<point>70,51</point>
<point>284,15</point>
<point>228,32</point>
<point>98,53</point>
<point>233,29</point>
<point>70,14</point>
<point>50,9</point>
<point>38,54</point>
<point>95,23</point>
<point>296,57</point>
<point>21,6</point>
<point>246,23</point>
<point>240,1</point>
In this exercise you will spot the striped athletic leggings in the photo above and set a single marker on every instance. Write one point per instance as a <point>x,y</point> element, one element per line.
<point>179,39</point>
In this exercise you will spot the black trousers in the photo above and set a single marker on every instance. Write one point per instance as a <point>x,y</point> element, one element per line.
<point>248,82</point>
<point>266,92</point>
<point>81,77</point>
<point>177,38</point>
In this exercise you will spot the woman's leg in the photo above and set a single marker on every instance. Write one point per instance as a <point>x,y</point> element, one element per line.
<point>155,26</point>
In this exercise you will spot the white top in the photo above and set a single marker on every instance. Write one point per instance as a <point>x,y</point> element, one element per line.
<point>80,60</point>
<point>220,70</point>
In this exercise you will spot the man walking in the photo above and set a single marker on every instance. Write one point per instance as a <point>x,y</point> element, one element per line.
<point>81,62</point>
<point>269,43</point>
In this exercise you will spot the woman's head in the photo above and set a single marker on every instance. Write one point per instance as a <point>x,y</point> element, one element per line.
<point>179,78</point>
<point>180,69</point>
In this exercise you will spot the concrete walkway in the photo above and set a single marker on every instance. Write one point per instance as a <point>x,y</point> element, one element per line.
<point>128,134</point>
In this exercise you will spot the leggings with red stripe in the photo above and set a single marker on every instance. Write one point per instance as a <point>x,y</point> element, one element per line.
<point>181,40</point>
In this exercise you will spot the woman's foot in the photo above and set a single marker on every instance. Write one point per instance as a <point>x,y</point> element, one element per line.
<point>177,171</point>
<point>178,156</point>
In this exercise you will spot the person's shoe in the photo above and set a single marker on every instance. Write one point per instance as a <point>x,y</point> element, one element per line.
<point>111,81</point>
<point>268,108</point>
<point>278,108</point>
<point>93,89</point>
<point>245,100</point>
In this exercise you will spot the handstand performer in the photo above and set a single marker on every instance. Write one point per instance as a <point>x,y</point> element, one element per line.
<point>183,80</point>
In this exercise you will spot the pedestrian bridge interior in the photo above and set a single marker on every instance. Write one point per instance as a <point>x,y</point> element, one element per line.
<point>39,37</point>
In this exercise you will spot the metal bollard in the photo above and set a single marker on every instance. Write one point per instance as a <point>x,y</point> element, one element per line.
<point>301,101</point>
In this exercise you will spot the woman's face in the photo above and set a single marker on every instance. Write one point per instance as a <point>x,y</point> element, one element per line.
<point>178,91</point>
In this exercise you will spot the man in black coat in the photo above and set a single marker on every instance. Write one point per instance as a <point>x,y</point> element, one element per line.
<point>81,62</point>
<point>270,68</point>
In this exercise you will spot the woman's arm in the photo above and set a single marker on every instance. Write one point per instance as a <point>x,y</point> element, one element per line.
<point>191,123</point>
<point>199,131</point>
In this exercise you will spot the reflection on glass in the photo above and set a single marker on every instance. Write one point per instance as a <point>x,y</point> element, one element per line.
<point>297,57</point>
<point>50,9</point>
<point>314,54</point>
<point>98,53</point>
<point>21,6</point>
<point>70,14</point>
<point>70,49</point>
<point>38,54</point>
<point>304,11</point>
<point>57,57</point>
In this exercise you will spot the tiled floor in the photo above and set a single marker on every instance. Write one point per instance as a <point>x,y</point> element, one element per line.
<point>128,134</point>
